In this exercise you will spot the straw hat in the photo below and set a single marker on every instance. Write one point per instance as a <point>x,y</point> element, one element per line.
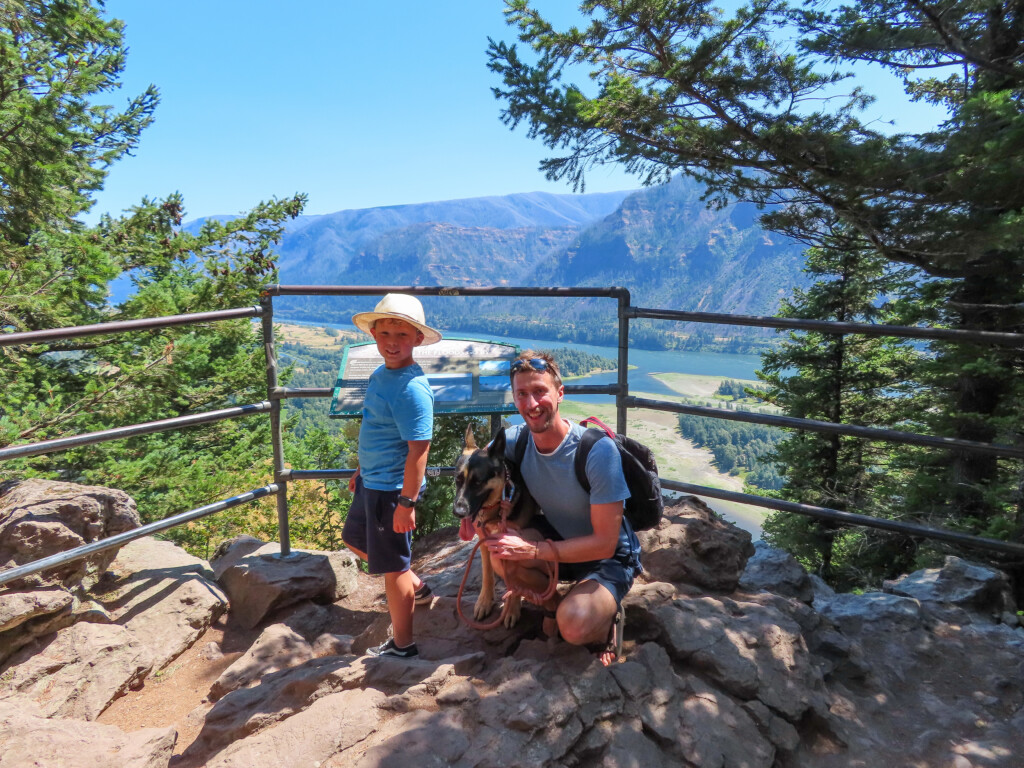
<point>398,306</point>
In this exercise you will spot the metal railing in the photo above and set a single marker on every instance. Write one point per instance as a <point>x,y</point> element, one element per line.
<point>620,390</point>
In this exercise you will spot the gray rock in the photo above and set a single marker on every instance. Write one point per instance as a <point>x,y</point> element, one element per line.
<point>18,607</point>
<point>958,584</point>
<point>301,740</point>
<point>777,571</point>
<point>263,581</point>
<point>230,552</point>
<point>29,739</point>
<point>329,644</point>
<point>693,545</point>
<point>751,651</point>
<point>39,518</point>
<point>277,648</point>
<point>162,595</point>
<point>78,672</point>
<point>28,614</point>
<point>882,612</point>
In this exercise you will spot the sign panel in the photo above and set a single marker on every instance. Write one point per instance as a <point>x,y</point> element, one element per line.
<point>466,375</point>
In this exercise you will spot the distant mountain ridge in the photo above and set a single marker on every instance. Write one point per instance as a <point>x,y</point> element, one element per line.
<point>663,244</point>
<point>317,245</point>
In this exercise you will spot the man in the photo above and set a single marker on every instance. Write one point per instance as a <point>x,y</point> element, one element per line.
<point>586,533</point>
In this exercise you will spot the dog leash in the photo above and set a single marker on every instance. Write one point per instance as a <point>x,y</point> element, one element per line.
<point>512,588</point>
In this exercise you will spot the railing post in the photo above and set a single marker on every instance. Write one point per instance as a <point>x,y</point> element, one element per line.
<point>623,393</point>
<point>277,441</point>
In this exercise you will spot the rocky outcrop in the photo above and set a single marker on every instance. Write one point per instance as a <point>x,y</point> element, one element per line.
<point>693,546</point>
<point>39,518</point>
<point>728,663</point>
<point>29,738</point>
<point>259,581</point>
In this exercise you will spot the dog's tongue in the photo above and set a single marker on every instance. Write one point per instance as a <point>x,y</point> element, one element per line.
<point>466,531</point>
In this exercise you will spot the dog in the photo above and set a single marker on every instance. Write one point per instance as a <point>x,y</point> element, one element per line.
<point>481,479</point>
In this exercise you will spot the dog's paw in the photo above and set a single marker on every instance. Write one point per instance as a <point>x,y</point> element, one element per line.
<point>482,607</point>
<point>514,607</point>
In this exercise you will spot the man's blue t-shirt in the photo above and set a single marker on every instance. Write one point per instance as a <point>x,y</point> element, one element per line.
<point>551,479</point>
<point>398,407</point>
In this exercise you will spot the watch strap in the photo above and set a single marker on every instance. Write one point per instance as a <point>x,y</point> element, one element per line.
<point>405,501</point>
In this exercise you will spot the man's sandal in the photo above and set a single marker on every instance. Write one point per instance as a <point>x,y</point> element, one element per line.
<point>612,650</point>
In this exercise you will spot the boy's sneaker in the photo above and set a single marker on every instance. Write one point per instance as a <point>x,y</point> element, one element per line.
<point>388,648</point>
<point>424,594</point>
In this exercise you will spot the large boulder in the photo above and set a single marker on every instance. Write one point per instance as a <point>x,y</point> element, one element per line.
<point>73,653</point>
<point>777,571</point>
<point>263,581</point>
<point>165,597</point>
<point>958,591</point>
<point>77,672</point>
<point>693,545</point>
<point>39,518</point>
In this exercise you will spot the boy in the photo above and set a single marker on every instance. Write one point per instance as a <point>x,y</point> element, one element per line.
<point>394,439</point>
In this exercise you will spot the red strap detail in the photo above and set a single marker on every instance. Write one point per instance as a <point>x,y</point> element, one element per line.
<point>598,423</point>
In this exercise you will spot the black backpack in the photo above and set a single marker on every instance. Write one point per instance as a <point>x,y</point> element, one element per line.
<point>644,507</point>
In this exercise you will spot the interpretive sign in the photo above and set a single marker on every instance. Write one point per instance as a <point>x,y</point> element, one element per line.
<point>466,375</point>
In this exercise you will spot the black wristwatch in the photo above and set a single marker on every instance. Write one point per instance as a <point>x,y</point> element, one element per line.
<point>405,501</point>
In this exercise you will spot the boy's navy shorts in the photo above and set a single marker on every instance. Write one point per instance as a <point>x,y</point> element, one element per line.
<point>369,528</point>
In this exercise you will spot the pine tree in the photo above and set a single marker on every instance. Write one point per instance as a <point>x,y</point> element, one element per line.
<point>843,379</point>
<point>747,105</point>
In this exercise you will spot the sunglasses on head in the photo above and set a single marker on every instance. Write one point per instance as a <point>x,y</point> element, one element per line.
<point>536,363</point>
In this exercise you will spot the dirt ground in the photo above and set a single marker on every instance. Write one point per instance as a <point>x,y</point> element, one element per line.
<point>177,696</point>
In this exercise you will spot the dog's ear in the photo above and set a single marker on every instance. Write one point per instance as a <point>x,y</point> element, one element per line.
<point>469,442</point>
<point>497,446</point>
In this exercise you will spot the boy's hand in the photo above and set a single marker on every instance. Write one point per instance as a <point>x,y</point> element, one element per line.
<point>352,481</point>
<point>405,519</point>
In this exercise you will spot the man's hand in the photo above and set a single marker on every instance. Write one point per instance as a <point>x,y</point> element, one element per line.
<point>508,546</point>
<point>405,519</point>
<point>352,481</point>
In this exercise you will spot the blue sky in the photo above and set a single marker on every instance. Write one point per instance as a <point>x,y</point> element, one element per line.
<point>356,104</point>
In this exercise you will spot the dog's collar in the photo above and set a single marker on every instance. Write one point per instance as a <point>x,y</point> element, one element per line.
<point>508,490</point>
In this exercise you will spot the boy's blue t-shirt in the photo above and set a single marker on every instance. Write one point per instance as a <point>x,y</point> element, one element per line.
<point>398,407</point>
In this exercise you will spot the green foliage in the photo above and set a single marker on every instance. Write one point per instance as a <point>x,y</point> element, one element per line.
<point>575,362</point>
<point>57,60</point>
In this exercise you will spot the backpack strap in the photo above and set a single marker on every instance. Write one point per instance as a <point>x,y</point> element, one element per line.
<point>598,423</point>
<point>520,448</point>
<point>579,464</point>
<point>518,452</point>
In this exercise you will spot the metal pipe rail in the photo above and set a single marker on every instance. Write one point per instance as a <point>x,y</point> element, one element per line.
<point>120,539</point>
<point>790,422</point>
<point>832,326</point>
<point>849,518</point>
<point>118,433</point>
<point>343,474</point>
<point>620,390</point>
<point>122,326</point>
<point>420,290</point>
